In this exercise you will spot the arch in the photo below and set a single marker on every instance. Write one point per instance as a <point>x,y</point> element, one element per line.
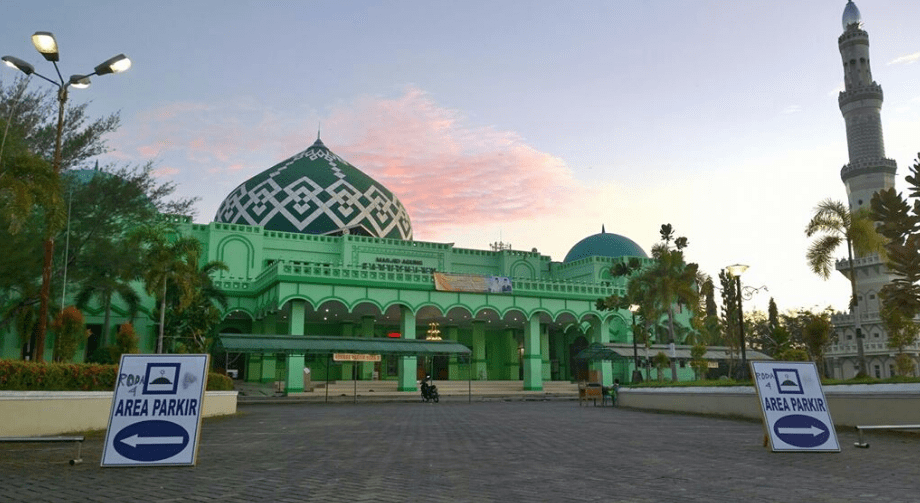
<point>522,269</point>
<point>240,310</point>
<point>240,262</point>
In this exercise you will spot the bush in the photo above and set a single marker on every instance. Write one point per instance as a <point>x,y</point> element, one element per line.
<point>101,355</point>
<point>18,375</point>
<point>71,331</point>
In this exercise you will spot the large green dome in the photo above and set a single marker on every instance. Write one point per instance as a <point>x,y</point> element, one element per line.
<point>317,192</point>
<point>605,244</point>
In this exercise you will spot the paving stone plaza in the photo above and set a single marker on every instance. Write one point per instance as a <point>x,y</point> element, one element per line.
<point>503,451</point>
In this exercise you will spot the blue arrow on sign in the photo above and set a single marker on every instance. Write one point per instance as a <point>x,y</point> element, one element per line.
<point>801,431</point>
<point>153,440</point>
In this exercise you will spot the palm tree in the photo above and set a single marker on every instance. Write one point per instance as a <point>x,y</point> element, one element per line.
<point>670,281</point>
<point>196,320</point>
<point>169,259</point>
<point>836,224</point>
<point>107,278</point>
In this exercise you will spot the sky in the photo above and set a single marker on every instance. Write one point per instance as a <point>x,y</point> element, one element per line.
<point>530,122</point>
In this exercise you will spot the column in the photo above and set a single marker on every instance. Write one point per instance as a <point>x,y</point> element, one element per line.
<point>407,364</point>
<point>295,362</point>
<point>455,370</point>
<point>533,358</point>
<point>348,330</point>
<point>600,332</point>
<point>512,356</point>
<point>366,369</point>
<point>253,367</point>
<point>544,352</point>
<point>478,362</point>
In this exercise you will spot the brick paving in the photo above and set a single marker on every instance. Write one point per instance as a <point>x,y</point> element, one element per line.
<point>501,451</point>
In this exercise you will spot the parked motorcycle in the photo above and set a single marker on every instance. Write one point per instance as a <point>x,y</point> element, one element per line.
<point>429,391</point>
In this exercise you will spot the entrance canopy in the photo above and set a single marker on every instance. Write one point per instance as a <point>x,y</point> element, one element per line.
<point>613,351</point>
<point>309,344</point>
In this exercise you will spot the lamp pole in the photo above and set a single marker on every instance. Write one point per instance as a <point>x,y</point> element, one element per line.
<point>633,308</point>
<point>737,270</point>
<point>47,46</point>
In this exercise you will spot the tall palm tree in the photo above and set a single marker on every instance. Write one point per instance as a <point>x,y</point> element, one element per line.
<point>196,320</point>
<point>670,281</point>
<point>835,225</point>
<point>111,275</point>
<point>169,259</point>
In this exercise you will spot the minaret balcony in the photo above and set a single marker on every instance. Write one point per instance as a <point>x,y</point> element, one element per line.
<point>843,265</point>
<point>871,91</point>
<point>865,167</point>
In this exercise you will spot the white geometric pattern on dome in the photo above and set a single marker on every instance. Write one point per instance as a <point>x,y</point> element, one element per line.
<point>301,202</point>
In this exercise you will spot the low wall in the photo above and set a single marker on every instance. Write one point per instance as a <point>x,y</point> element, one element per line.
<point>849,405</point>
<point>31,413</point>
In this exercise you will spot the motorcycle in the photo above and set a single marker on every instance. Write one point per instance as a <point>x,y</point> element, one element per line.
<point>429,391</point>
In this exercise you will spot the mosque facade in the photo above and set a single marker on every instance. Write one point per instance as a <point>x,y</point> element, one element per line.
<point>860,333</point>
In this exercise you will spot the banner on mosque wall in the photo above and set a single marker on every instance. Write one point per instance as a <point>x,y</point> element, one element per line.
<point>354,357</point>
<point>471,283</point>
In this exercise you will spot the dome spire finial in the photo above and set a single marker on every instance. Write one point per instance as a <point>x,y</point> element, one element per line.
<point>602,229</point>
<point>318,142</point>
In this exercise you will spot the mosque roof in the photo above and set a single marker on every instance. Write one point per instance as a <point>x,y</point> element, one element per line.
<point>317,192</point>
<point>605,244</point>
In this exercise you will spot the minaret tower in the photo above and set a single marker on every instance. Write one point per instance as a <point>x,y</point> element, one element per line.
<point>861,104</point>
<point>867,173</point>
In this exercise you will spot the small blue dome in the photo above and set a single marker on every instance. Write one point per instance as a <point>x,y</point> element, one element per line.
<point>605,244</point>
<point>851,15</point>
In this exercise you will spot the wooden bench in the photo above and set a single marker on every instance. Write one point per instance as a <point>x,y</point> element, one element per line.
<point>78,441</point>
<point>590,391</point>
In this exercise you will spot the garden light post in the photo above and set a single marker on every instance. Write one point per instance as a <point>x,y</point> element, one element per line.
<point>47,46</point>
<point>737,270</point>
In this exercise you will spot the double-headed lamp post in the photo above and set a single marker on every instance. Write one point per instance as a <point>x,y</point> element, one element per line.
<point>736,271</point>
<point>46,44</point>
<point>634,308</point>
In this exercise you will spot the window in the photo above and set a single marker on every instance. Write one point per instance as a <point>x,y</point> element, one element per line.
<point>878,371</point>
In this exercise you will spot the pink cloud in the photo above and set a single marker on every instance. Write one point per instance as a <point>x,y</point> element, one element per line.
<point>165,171</point>
<point>445,171</point>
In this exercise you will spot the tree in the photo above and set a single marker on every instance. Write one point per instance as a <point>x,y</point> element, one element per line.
<point>817,335</point>
<point>111,273</point>
<point>669,281</point>
<point>126,341</point>
<point>899,222</point>
<point>661,362</point>
<point>730,329</point>
<point>698,361</point>
<point>170,260</point>
<point>32,116</point>
<point>71,331</point>
<point>191,326</point>
<point>835,225</point>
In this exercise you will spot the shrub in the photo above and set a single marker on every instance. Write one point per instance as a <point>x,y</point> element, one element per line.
<point>18,375</point>
<point>71,331</point>
<point>126,342</point>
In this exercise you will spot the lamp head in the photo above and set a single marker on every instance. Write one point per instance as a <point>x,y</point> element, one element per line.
<point>18,64</point>
<point>79,81</point>
<point>736,270</point>
<point>115,64</point>
<point>46,44</point>
<point>634,308</point>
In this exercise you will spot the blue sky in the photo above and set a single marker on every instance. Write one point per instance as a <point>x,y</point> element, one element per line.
<point>532,122</point>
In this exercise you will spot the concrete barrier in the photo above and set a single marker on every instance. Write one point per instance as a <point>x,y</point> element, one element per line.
<point>849,405</point>
<point>30,413</point>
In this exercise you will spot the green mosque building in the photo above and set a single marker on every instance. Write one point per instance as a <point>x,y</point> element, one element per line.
<point>317,250</point>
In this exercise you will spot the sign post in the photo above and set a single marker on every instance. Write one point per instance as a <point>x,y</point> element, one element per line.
<point>795,411</point>
<point>156,411</point>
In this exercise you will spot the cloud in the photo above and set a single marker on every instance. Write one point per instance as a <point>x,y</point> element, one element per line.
<point>905,60</point>
<point>791,109</point>
<point>165,171</point>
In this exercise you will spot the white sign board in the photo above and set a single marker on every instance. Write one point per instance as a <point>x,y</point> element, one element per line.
<point>795,411</point>
<point>156,411</point>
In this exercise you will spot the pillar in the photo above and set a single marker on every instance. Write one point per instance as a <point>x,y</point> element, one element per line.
<point>295,362</point>
<point>269,365</point>
<point>512,356</point>
<point>478,362</point>
<point>533,357</point>
<point>407,364</point>
<point>348,330</point>
<point>366,369</point>
<point>600,329</point>
<point>455,370</point>
<point>544,352</point>
<point>253,367</point>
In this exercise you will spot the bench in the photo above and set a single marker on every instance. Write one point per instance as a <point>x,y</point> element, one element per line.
<point>78,441</point>
<point>590,391</point>
<point>859,430</point>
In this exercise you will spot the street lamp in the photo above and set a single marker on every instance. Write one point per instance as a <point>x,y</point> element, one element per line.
<point>637,374</point>
<point>47,46</point>
<point>736,271</point>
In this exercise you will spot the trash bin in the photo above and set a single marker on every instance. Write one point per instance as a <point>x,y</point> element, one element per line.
<point>306,378</point>
<point>279,386</point>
